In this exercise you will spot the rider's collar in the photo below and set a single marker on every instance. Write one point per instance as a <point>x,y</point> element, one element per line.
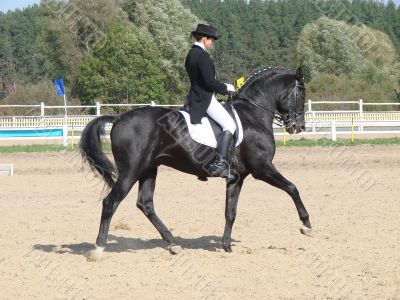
<point>200,45</point>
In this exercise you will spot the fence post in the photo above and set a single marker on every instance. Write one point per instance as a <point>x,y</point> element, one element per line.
<point>361,120</point>
<point>72,137</point>
<point>41,109</point>
<point>153,103</point>
<point>284,135</point>
<point>309,105</point>
<point>98,113</point>
<point>313,122</point>
<point>333,131</point>
<point>65,133</point>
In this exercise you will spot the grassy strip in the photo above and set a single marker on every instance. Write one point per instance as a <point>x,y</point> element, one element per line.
<point>43,148</point>
<point>345,142</point>
<point>291,143</point>
<point>33,148</point>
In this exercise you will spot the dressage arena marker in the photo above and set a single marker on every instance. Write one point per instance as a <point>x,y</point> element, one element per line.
<point>6,169</point>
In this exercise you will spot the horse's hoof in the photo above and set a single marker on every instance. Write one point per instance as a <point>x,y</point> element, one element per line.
<point>227,248</point>
<point>175,249</point>
<point>306,231</point>
<point>202,178</point>
<point>95,255</point>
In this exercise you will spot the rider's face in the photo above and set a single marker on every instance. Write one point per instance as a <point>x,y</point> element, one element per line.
<point>208,42</point>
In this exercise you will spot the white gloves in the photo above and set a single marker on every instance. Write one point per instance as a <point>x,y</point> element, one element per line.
<point>230,87</point>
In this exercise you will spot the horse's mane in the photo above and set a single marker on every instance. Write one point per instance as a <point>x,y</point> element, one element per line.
<point>267,73</point>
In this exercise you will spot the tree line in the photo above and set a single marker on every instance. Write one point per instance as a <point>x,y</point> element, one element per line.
<point>132,51</point>
<point>349,49</point>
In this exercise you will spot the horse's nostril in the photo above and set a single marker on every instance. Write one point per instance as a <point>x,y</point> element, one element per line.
<point>303,128</point>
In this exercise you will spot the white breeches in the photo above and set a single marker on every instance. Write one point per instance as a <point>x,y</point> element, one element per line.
<point>219,114</point>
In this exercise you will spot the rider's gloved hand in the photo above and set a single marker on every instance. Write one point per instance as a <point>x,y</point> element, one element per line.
<point>230,87</point>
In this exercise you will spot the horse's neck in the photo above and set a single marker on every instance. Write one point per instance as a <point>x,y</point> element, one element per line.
<point>266,90</point>
<point>261,97</point>
<point>254,115</point>
<point>267,95</point>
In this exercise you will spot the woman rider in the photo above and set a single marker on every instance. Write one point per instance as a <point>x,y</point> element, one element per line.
<point>201,96</point>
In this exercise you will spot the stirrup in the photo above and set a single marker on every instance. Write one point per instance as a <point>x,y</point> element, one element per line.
<point>219,168</point>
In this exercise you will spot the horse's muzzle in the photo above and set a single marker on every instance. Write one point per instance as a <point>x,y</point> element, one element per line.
<point>295,123</point>
<point>297,128</point>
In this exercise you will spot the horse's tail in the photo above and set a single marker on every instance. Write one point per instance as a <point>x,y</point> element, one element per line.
<point>90,146</point>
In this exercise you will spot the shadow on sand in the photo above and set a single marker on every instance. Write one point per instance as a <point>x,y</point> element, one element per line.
<point>123,244</point>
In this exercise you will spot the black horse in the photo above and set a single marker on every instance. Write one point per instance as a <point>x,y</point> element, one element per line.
<point>144,138</point>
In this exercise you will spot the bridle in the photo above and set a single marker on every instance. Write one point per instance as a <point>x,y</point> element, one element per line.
<point>286,120</point>
<point>289,119</point>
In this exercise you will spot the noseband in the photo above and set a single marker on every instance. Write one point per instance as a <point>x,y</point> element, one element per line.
<point>288,119</point>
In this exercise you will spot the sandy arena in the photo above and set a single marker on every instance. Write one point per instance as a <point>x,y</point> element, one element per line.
<point>50,212</point>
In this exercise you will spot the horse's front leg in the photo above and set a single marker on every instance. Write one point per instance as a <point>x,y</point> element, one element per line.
<point>233,188</point>
<point>271,175</point>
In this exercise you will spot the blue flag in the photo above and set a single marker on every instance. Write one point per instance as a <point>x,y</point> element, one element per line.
<point>59,83</point>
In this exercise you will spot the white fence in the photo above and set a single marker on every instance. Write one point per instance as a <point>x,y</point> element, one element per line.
<point>333,122</point>
<point>42,108</point>
<point>6,169</point>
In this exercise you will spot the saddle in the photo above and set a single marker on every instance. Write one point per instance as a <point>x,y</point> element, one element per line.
<point>208,131</point>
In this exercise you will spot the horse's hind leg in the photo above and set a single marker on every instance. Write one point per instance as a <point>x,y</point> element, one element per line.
<point>233,188</point>
<point>147,184</point>
<point>272,176</point>
<point>110,204</point>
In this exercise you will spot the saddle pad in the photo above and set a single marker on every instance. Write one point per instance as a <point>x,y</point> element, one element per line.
<point>204,134</point>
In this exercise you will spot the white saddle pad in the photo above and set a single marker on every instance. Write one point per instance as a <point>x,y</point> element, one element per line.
<point>204,134</point>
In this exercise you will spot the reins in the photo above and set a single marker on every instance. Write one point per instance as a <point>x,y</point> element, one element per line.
<point>275,115</point>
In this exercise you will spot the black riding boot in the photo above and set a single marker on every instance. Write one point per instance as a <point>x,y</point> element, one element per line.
<point>220,166</point>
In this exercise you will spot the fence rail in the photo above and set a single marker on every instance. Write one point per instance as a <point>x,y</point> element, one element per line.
<point>319,118</point>
<point>97,107</point>
<point>317,122</point>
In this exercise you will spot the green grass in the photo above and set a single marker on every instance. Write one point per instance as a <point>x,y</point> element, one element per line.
<point>43,148</point>
<point>290,143</point>
<point>34,148</point>
<point>344,142</point>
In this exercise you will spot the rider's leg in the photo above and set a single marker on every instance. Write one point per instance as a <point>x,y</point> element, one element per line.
<point>219,114</point>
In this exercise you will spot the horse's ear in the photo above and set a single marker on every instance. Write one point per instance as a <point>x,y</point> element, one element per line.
<point>299,73</point>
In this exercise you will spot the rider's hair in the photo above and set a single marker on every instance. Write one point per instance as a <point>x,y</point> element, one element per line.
<point>197,37</point>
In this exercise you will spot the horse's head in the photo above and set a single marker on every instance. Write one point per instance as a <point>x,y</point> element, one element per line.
<point>274,90</point>
<point>291,104</point>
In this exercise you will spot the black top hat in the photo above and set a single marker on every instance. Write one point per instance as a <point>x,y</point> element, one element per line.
<point>206,30</point>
